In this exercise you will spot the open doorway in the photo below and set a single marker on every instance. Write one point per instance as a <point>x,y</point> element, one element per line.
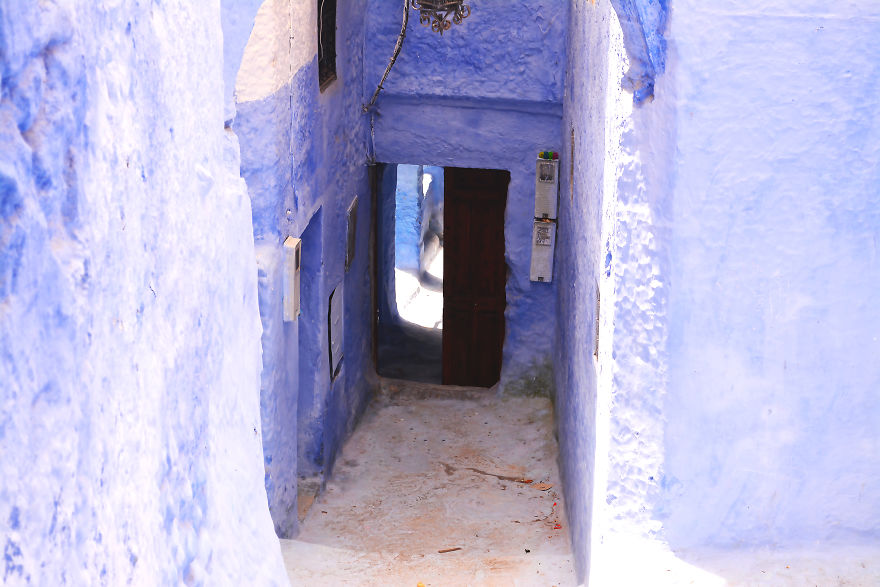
<point>411,273</point>
<point>441,274</point>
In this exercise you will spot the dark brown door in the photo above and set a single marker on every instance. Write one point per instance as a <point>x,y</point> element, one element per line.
<point>474,275</point>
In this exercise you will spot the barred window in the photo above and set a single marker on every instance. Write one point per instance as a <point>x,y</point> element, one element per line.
<point>326,42</point>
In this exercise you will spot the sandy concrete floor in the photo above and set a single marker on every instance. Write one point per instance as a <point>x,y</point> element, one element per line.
<point>443,486</point>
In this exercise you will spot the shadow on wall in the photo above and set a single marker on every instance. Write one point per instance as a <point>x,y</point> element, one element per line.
<point>313,370</point>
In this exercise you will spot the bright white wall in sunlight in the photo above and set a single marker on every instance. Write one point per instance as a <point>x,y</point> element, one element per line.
<point>418,304</point>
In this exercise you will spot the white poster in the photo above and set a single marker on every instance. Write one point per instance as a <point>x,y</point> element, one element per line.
<point>543,245</point>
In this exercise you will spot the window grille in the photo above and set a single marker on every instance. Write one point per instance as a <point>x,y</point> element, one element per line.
<point>326,42</point>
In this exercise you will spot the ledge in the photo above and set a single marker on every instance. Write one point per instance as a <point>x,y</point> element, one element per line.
<point>502,104</point>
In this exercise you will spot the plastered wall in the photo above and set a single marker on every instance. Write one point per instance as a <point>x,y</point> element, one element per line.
<point>593,81</point>
<point>479,105</point>
<point>771,422</point>
<point>304,156</point>
<point>738,231</point>
<point>130,435</point>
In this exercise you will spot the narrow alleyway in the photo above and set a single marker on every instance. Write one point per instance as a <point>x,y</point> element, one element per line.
<point>412,347</point>
<point>443,486</point>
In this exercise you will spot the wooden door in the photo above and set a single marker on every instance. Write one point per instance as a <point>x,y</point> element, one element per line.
<point>474,275</point>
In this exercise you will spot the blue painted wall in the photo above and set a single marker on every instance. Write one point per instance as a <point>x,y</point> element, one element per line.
<point>489,108</point>
<point>468,61</point>
<point>418,216</point>
<point>595,177</point>
<point>432,215</point>
<point>304,155</point>
<point>734,409</point>
<point>130,435</point>
<point>237,21</point>
<point>579,264</point>
<point>407,218</point>
<point>773,349</point>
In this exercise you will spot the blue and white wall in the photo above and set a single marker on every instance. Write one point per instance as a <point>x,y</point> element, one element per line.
<point>593,99</point>
<point>490,107</point>
<point>733,226</point>
<point>775,275</point>
<point>304,156</point>
<point>130,434</point>
<point>720,191</point>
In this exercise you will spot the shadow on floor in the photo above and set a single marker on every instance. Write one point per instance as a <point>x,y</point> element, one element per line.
<point>411,352</point>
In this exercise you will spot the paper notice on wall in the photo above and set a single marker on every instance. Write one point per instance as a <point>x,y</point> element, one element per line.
<point>546,182</point>
<point>543,234</point>
<point>543,246</point>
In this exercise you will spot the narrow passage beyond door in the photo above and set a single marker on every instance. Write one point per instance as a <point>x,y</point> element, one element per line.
<point>475,274</point>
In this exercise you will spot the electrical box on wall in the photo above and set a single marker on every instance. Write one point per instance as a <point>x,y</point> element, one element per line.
<point>292,264</point>
<point>546,184</point>
<point>543,247</point>
<point>544,230</point>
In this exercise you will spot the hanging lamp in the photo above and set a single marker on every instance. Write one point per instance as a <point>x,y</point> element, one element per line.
<point>441,14</point>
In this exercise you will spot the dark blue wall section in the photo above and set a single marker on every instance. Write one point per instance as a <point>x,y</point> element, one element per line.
<point>506,50</point>
<point>312,350</point>
<point>385,226</point>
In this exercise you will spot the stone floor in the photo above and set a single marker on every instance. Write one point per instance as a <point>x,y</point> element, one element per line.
<point>412,352</point>
<point>440,486</point>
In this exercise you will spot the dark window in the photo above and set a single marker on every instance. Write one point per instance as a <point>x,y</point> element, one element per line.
<point>326,42</point>
<point>351,244</point>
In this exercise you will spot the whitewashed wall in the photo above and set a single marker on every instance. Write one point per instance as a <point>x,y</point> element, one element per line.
<point>130,443</point>
<point>772,423</point>
<point>736,403</point>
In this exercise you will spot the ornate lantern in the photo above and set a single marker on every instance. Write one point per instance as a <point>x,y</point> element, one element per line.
<point>440,14</point>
